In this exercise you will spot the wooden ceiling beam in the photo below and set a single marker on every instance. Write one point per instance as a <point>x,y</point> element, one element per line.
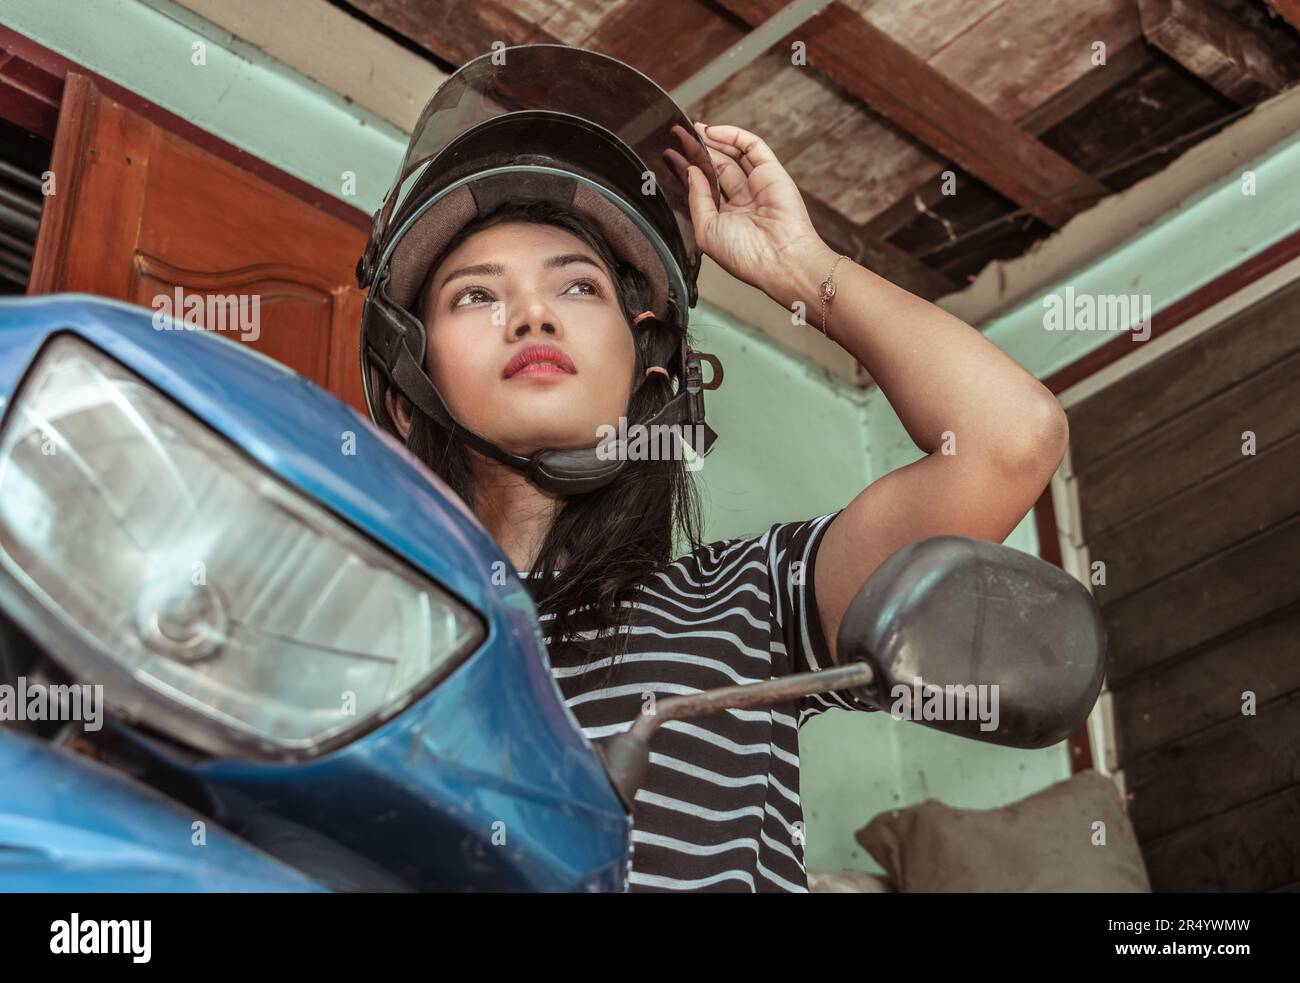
<point>667,41</point>
<point>875,68</point>
<point>1214,46</point>
<point>455,32</point>
<point>1120,66</point>
<point>880,257</point>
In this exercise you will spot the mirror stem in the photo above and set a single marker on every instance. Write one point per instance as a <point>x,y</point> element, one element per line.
<point>626,756</point>
<point>746,695</point>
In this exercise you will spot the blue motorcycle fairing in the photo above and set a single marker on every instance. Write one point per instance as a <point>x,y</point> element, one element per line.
<point>488,772</point>
<point>70,824</point>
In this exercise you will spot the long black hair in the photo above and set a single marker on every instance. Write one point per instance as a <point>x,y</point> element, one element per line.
<point>613,539</point>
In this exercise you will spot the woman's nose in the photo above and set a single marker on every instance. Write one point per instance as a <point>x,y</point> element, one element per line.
<point>535,316</point>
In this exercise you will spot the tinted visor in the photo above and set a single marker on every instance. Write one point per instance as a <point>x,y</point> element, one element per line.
<point>613,101</point>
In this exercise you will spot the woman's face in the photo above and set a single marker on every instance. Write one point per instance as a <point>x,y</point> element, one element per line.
<point>512,293</point>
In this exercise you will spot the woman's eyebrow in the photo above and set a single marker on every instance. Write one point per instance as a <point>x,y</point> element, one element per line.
<point>479,269</point>
<point>557,261</point>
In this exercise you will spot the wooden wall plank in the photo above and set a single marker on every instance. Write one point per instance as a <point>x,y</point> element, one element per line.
<point>1195,523</point>
<point>1169,386</point>
<point>1255,847</point>
<point>1216,770</point>
<point>1191,447</point>
<point>1207,689</point>
<point>1203,602</point>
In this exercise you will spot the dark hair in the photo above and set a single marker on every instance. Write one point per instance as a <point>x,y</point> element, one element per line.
<point>614,538</point>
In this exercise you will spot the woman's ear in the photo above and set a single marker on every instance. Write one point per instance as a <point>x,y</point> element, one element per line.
<point>399,411</point>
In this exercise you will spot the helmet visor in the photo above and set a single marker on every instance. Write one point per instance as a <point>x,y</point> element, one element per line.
<point>555,78</point>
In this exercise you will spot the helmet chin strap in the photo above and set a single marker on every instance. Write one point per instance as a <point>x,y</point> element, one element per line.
<point>564,472</point>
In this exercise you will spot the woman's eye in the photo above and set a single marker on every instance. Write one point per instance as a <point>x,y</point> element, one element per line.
<point>468,292</point>
<point>592,285</point>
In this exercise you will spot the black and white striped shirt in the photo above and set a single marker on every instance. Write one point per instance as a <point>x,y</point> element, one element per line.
<point>719,809</point>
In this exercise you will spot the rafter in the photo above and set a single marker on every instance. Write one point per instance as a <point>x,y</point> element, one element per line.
<point>1215,46</point>
<point>881,257</point>
<point>455,32</point>
<point>875,68</point>
<point>1121,66</point>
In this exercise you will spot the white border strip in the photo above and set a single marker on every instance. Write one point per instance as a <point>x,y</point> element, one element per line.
<point>1144,353</point>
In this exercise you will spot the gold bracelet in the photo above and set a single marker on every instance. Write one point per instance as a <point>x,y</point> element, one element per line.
<point>828,291</point>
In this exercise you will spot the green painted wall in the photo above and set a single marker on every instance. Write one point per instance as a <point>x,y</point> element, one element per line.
<point>1208,234</point>
<point>793,444</point>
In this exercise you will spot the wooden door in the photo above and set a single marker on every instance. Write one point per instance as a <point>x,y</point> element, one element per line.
<point>139,213</point>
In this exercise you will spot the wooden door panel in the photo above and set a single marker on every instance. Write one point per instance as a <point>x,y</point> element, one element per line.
<point>141,212</point>
<point>269,308</point>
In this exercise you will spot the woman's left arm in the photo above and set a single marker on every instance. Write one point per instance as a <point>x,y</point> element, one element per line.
<point>993,434</point>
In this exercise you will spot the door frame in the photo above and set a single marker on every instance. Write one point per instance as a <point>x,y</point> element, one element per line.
<point>33,101</point>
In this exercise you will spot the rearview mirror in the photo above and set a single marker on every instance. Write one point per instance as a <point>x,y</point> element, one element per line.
<point>979,640</point>
<point>969,637</point>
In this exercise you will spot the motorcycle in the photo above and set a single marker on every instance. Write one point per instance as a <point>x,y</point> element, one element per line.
<point>318,672</point>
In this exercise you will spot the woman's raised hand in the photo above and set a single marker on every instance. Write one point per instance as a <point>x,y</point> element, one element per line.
<point>762,231</point>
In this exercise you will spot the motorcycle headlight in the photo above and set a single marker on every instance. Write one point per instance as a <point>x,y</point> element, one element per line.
<point>219,605</point>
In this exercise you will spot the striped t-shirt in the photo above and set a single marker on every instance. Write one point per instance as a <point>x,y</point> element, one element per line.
<point>719,809</point>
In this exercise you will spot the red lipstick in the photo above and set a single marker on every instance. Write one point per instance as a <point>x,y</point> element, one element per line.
<point>537,360</point>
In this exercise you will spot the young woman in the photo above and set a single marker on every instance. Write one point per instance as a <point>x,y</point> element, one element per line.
<point>532,324</point>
